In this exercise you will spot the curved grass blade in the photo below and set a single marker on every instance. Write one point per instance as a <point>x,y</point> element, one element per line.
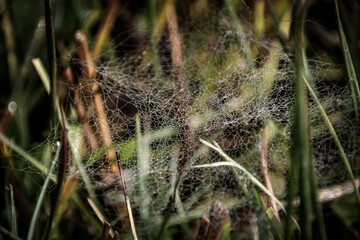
<point>248,174</point>
<point>334,135</point>
<point>44,76</point>
<point>233,163</point>
<point>9,234</point>
<point>41,197</point>
<point>38,165</point>
<point>354,85</point>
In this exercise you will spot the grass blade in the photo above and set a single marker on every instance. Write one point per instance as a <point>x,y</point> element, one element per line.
<point>231,162</point>
<point>127,200</point>
<point>63,160</point>
<point>12,208</point>
<point>41,197</point>
<point>300,167</point>
<point>9,234</point>
<point>38,165</point>
<point>354,85</point>
<point>143,152</point>
<point>248,174</point>
<point>51,52</point>
<point>44,76</point>
<point>334,135</point>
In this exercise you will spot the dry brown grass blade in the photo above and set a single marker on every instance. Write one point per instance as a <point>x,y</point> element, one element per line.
<point>106,27</point>
<point>99,215</point>
<point>182,91</point>
<point>116,236</point>
<point>126,196</point>
<point>84,55</point>
<point>218,216</point>
<point>69,187</point>
<point>269,202</point>
<point>106,231</point>
<point>204,227</point>
<point>90,74</point>
<point>81,111</point>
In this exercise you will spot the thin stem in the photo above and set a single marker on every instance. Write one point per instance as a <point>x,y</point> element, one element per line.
<point>60,178</point>
<point>354,85</point>
<point>33,161</point>
<point>13,212</point>
<point>127,200</point>
<point>9,234</point>
<point>265,173</point>
<point>41,197</point>
<point>51,51</point>
<point>336,139</point>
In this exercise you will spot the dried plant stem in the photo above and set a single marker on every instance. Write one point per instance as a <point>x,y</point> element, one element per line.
<point>204,227</point>
<point>99,214</point>
<point>51,51</point>
<point>106,27</point>
<point>182,90</point>
<point>90,74</point>
<point>106,231</point>
<point>264,171</point>
<point>103,125</point>
<point>127,200</point>
<point>218,216</point>
<point>81,111</point>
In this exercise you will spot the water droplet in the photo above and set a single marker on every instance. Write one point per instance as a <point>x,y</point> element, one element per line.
<point>12,106</point>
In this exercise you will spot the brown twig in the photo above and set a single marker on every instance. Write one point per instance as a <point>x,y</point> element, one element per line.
<point>204,227</point>
<point>81,111</point>
<point>106,27</point>
<point>106,231</point>
<point>99,214</point>
<point>90,74</point>
<point>218,216</point>
<point>269,202</point>
<point>181,83</point>
<point>127,200</point>
<point>116,236</point>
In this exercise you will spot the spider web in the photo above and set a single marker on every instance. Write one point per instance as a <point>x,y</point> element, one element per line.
<point>155,122</point>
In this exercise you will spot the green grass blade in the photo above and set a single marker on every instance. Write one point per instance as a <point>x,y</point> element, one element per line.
<point>9,234</point>
<point>38,165</point>
<point>12,209</point>
<point>248,174</point>
<point>74,135</point>
<point>231,162</point>
<point>41,197</point>
<point>334,135</point>
<point>300,167</point>
<point>253,179</point>
<point>44,76</point>
<point>348,61</point>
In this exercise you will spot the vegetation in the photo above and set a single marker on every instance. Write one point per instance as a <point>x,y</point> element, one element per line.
<point>164,119</point>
